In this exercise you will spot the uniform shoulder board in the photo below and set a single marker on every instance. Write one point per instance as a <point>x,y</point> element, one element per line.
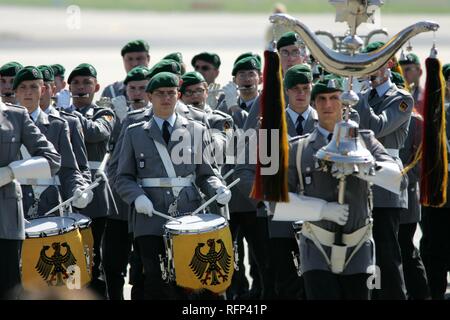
<point>221,113</point>
<point>135,125</point>
<point>14,105</point>
<point>105,113</point>
<point>52,117</point>
<point>136,111</point>
<point>404,92</point>
<point>297,138</point>
<point>196,109</point>
<point>67,114</point>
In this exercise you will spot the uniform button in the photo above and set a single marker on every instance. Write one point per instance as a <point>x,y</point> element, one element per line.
<point>168,192</point>
<point>141,155</point>
<point>30,194</point>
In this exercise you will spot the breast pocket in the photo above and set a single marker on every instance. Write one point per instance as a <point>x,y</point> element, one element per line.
<point>10,144</point>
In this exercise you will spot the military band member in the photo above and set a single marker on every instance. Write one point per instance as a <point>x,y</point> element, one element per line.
<point>7,73</point>
<point>62,94</point>
<point>18,129</point>
<point>412,72</point>
<point>134,53</point>
<point>318,207</point>
<point>290,53</point>
<point>141,159</point>
<point>98,124</point>
<point>413,269</point>
<point>386,110</point>
<point>435,242</point>
<point>39,198</point>
<point>117,239</point>
<point>208,64</point>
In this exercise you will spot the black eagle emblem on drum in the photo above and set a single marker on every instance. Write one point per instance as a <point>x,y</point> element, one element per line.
<point>54,269</point>
<point>212,265</point>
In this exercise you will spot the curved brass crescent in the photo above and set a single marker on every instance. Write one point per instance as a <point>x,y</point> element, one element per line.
<point>359,64</point>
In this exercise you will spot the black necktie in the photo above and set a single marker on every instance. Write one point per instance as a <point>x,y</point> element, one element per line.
<point>330,136</point>
<point>299,127</point>
<point>165,131</point>
<point>373,94</point>
<point>243,106</point>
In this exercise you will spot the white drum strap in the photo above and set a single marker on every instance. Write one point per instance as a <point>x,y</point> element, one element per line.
<point>168,165</point>
<point>111,90</point>
<point>302,143</point>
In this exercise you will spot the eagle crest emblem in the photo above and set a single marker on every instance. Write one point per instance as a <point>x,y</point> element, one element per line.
<point>53,269</point>
<point>212,266</point>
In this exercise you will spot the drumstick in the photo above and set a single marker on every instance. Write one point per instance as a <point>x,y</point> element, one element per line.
<point>229,173</point>
<point>203,206</point>
<point>166,216</point>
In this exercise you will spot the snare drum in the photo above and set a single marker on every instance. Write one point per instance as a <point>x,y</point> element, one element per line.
<point>84,224</point>
<point>52,255</point>
<point>200,252</point>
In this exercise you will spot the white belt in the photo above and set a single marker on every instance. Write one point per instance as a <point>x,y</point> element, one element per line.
<point>167,182</point>
<point>393,152</point>
<point>94,165</point>
<point>40,182</point>
<point>326,237</point>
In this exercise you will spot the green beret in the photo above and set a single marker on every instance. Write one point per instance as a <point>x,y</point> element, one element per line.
<point>177,56</point>
<point>410,58</point>
<point>165,65</point>
<point>58,70</point>
<point>446,71</point>
<point>330,83</point>
<point>248,63</point>
<point>300,73</point>
<point>10,69</point>
<point>248,54</point>
<point>84,69</point>
<point>47,73</point>
<point>398,79</point>
<point>137,74</point>
<point>25,74</point>
<point>163,80</point>
<point>287,39</point>
<point>373,46</point>
<point>208,57</point>
<point>135,46</point>
<point>190,79</point>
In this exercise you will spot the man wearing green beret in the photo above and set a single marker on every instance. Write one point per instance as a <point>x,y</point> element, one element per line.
<point>7,73</point>
<point>145,146</point>
<point>98,124</point>
<point>412,72</point>
<point>317,206</point>
<point>38,199</point>
<point>134,53</point>
<point>289,50</point>
<point>386,110</point>
<point>62,95</point>
<point>208,64</point>
<point>75,129</point>
<point>116,242</point>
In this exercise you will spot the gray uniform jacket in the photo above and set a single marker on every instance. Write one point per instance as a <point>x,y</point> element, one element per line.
<point>283,229</point>
<point>98,124</point>
<point>114,90</point>
<point>388,117</point>
<point>324,186</point>
<point>239,116</point>
<point>139,159</point>
<point>407,153</point>
<point>56,130</point>
<point>17,128</point>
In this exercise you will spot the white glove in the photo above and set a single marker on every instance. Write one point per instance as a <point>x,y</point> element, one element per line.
<point>213,93</point>
<point>63,99</point>
<point>335,212</point>
<point>144,205</point>
<point>224,195</point>
<point>231,94</point>
<point>120,106</point>
<point>6,176</point>
<point>83,198</point>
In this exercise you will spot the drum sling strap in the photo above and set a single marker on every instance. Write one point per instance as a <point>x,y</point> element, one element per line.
<point>37,190</point>
<point>170,170</point>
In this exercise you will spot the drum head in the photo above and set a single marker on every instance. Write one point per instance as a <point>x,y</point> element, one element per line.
<point>81,220</point>
<point>196,224</point>
<point>49,226</point>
